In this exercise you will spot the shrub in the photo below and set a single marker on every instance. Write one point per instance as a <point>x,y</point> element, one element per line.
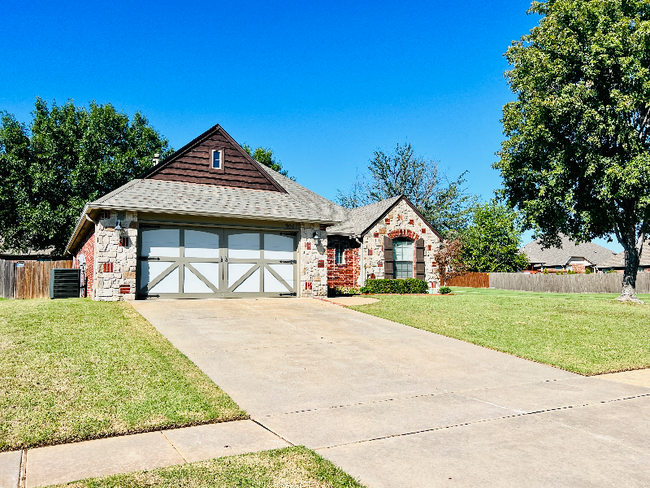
<point>588,271</point>
<point>444,290</point>
<point>409,285</point>
<point>346,290</point>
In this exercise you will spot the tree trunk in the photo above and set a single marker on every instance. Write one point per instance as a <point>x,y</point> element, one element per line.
<point>632,255</point>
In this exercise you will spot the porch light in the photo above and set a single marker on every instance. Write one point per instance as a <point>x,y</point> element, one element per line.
<point>119,228</point>
<point>316,237</point>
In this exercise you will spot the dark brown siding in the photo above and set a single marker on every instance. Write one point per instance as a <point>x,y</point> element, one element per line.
<point>193,166</point>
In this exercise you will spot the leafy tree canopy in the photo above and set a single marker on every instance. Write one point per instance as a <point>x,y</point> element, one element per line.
<point>67,156</point>
<point>265,156</point>
<point>442,201</point>
<point>492,240</point>
<point>576,158</point>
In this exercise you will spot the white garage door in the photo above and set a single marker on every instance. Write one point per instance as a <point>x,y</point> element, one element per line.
<point>199,262</point>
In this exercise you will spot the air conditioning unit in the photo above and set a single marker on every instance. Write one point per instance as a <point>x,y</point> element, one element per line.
<point>65,283</point>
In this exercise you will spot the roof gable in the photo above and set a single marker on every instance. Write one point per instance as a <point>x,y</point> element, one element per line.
<point>192,164</point>
<point>361,219</point>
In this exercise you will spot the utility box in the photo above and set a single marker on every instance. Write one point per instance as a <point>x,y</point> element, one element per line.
<point>65,283</point>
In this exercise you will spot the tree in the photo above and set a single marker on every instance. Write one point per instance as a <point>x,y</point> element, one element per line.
<point>265,156</point>
<point>491,242</point>
<point>68,156</point>
<point>442,201</point>
<point>576,158</point>
<point>448,259</point>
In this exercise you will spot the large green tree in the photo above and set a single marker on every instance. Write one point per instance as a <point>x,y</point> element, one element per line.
<point>492,240</point>
<point>67,156</point>
<point>265,156</point>
<point>442,201</point>
<point>576,158</point>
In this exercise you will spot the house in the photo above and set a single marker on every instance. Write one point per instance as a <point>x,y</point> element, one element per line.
<point>617,262</point>
<point>210,221</point>
<point>568,257</point>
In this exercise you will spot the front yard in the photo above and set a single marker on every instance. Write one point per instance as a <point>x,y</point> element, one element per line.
<point>586,334</point>
<point>76,369</point>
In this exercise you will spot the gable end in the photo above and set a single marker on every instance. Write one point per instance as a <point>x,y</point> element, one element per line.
<point>193,164</point>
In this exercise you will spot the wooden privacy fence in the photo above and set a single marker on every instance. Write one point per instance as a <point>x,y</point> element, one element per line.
<point>577,283</point>
<point>7,279</point>
<point>472,280</point>
<point>28,279</point>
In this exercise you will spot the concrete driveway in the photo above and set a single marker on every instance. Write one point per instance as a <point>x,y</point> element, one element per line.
<point>399,407</point>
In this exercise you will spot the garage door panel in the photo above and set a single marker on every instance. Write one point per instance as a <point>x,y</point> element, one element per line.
<point>208,271</point>
<point>168,283</point>
<point>250,283</point>
<point>278,246</point>
<point>275,283</point>
<point>201,244</point>
<point>195,282</point>
<point>161,242</point>
<point>244,245</point>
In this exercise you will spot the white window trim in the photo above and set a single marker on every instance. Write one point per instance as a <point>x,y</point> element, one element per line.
<point>220,151</point>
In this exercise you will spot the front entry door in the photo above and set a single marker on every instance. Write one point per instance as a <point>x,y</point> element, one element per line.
<point>201,262</point>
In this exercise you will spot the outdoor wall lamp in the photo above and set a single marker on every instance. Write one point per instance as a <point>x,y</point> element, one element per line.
<point>316,237</point>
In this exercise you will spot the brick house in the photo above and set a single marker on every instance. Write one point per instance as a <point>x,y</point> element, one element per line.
<point>568,257</point>
<point>210,221</point>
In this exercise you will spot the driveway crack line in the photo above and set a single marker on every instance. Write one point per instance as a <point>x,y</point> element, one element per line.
<point>483,421</point>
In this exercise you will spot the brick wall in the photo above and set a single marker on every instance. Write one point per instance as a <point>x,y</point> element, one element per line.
<point>346,274</point>
<point>313,261</point>
<point>88,251</point>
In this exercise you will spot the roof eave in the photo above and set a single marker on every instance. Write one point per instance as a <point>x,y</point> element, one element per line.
<point>211,214</point>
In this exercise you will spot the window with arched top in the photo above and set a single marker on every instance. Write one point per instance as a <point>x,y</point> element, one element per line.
<point>403,258</point>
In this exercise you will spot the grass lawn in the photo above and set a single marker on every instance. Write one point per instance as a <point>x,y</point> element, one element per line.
<point>290,467</point>
<point>587,334</point>
<point>77,369</point>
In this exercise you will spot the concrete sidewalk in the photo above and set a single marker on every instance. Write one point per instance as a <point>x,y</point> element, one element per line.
<point>70,462</point>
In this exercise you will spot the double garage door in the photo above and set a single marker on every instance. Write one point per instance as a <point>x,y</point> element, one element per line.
<point>191,262</point>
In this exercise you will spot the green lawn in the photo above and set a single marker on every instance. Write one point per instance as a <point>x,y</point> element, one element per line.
<point>588,334</point>
<point>77,369</point>
<point>290,467</point>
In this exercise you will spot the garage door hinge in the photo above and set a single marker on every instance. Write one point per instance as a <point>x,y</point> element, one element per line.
<point>288,261</point>
<point>288,294</point>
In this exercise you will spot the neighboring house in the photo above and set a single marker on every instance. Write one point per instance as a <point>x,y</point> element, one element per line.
<point>617,262</point>
<point>210,221</point>
<point>568,257</point>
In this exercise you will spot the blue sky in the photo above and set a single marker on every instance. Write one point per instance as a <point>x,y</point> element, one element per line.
<point>322,84</point>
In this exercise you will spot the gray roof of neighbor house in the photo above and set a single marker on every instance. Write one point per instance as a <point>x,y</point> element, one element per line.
<point>618,260</point>
<point>555,256</point>
<point>359,219</point>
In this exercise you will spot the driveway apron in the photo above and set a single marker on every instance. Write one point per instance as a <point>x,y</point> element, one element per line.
<point>395,406</point>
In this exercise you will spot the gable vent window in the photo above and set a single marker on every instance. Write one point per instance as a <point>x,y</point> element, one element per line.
<point>217,159</point>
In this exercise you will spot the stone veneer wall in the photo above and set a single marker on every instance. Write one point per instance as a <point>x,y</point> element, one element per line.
<point>116,262</point>
<point>346,274</point>
<point>400,221</point>
<point>313,262</point>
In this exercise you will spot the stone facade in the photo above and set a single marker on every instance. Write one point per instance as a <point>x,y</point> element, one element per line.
<point>313,261</point>
<point>115,257</point>
<point>401,221</point>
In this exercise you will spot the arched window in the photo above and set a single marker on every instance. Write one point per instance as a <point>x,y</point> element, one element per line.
<point>403,258</point>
